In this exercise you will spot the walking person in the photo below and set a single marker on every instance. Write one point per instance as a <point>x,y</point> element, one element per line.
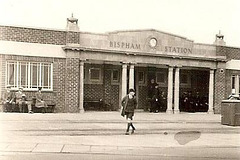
<point>129,103</point>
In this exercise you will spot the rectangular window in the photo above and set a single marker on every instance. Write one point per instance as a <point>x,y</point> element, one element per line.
<point>95,74</point>
<point>160,77</point>
<point>141,77</point>
<point>233,84</point>
<point>29,75</point>
<point>45,75</point>
<point>115,75</point>
<point>11,66</point>
<point>34,75</point>
<point>23,74</point>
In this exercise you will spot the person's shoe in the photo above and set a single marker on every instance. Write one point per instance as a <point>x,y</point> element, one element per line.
<point>133,130</point>
<point>127,133</point>
<point>30,112</point>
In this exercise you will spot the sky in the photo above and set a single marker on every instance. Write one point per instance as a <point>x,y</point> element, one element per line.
<point>197,20</point>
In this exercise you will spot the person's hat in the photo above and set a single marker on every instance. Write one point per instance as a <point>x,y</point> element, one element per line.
<point>23,95</point>
<point>39,88</point>
<point>20,87</point>
<point>131,90</point>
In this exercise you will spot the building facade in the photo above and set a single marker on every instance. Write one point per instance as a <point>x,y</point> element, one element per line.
<point>81,71</point>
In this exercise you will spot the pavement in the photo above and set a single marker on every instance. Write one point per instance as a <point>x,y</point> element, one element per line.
<point>104,133</point>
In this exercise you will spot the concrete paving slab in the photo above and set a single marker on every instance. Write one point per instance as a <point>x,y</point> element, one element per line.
<point>103,149</point>
<point>48,148</point>
<point>71,148</point>
<point>20,147</point>
<point>3,146</point>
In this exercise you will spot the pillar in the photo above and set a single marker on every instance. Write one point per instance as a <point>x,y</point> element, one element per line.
<point>170,90</point>
<point>81,86</point>
<point>211,91</point>
<point>131,76</point>
<point>176,91</point>
<point>124,80</point>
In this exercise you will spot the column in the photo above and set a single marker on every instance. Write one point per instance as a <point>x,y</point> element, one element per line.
<point>81,87</point>
<point>176,91</point>
<point>170,90</point>
<point>211,89</point>
<point>237,85</point>
<point>131,76</point>
<point>124,80</point>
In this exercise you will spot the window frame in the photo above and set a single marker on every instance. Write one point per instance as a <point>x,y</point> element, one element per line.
<point>87,77</point>
<point>116,82</point>
<point>141,82</point>
<point>164,76</point>
<point>90,75</point>
<point>28,86</point>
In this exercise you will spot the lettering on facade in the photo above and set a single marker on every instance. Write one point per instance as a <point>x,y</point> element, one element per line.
<point>126,45</point>
<point>177,49</point>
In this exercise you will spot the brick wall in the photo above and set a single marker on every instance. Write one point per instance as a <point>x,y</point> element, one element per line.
<point>111,92</point>
<point>229,52</point>
<point>219,89</point>
<point>93,91</point>
<point>106,91</point>
<point>142,97</point>
<point>33,35</point>
<point>59,72</point>
<point>72,37</point>
<point>72,85</point>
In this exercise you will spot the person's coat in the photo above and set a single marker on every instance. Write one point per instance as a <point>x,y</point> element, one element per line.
<point>130,108</point>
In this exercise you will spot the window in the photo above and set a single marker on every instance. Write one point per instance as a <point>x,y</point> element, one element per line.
<point>29,75</point>
<point>160,78</point>
<point>95,74</point>
<point>141,77</point>
<point>115,76</point>
<point>235,84</point>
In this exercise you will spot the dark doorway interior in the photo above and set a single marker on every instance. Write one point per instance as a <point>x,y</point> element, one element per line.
<point>194,86</point>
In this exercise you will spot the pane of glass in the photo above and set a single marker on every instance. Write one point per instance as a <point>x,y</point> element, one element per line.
<point>94,74</point>
<point>45,76</point>
<point>141,76</point>
<point>115,75</point>
<point>34,74</point>
<point>23,74</point>
<point>233,82</point>
<point>160,77</point>
<point>10,69</point>
<point>50,77</point>
<point>84,76</point>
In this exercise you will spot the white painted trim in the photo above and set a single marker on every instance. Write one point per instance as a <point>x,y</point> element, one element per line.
<point>233,64</point>
<point>31,49</point>
<point>17,75</point>
<point>51,77</point>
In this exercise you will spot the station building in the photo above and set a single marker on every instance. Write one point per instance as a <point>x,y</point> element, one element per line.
<point>79,69</point>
